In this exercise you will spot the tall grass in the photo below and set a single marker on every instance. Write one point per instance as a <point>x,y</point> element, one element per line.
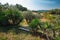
<point>11,35</point>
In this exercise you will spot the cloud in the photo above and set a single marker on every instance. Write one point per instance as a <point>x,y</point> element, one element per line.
<point>25,3</point>
<point>34,4</point>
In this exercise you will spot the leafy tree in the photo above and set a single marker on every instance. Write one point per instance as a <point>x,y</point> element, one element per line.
<point>21,8</point>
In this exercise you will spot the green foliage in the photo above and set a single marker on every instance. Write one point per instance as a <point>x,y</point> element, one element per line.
<point>45,25</point>
<point>34,24</point>
<point>10,17</point>
<point>3,38</point>
<point>20,7</point>
<point>57,38</point>
<point>15,16</point>
<point>29,16</point>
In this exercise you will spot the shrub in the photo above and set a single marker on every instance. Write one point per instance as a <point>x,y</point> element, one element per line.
<point>10,17</point>
<point>34,25</point>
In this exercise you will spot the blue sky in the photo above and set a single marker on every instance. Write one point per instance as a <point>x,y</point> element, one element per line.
<point>35,4</point>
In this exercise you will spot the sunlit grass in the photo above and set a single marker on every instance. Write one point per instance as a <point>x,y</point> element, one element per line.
<point>11,35</point>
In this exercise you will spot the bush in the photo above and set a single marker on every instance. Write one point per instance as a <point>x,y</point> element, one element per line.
<point>34,25</point>
<point>57,38</point>
<point>10,17</point>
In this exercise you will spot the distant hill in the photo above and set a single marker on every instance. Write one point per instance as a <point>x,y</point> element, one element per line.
<point>41,11</point>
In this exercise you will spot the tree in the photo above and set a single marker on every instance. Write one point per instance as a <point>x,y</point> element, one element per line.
<point>21,8</point>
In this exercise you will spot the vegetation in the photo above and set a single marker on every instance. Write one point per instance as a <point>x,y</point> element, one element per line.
<point>34,25</point>
<point>12,15</point>
<point>29,16</point>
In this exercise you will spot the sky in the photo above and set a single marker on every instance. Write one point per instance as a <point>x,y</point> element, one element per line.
<point>35,4</point>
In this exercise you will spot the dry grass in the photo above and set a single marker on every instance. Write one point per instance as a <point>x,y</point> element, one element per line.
<point>10,35</point>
